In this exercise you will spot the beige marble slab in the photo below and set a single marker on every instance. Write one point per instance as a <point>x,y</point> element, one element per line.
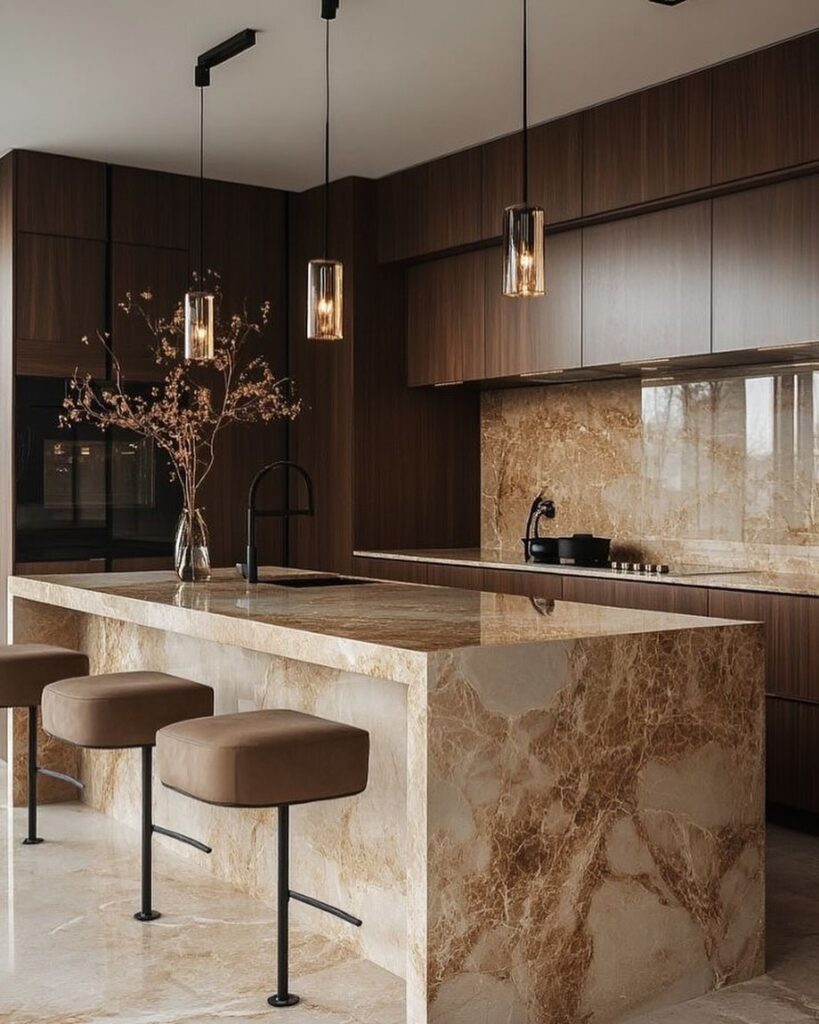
<point>806,584</point>
<point>564,819</point>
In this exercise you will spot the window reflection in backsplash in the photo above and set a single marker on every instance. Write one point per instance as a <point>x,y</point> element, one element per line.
<point>722,470</point>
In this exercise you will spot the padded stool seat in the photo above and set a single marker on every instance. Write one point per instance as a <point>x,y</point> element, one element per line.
<point>25,669</point>
<point>122,709</point>
<point>263,758</point>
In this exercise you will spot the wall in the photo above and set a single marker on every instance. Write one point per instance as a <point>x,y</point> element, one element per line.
<point>714,470</point>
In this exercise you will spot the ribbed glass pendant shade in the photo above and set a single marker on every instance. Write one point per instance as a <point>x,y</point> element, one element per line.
<point>325,300</point>
<point>523,251</point>
<point>199,325</point>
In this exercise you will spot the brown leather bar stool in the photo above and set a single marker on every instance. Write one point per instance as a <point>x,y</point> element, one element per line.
<point>25,669</point>
<point>269,758</point>
<point>122,710</point>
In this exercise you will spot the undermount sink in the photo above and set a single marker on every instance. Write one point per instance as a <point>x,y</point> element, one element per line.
<point>300,582</point>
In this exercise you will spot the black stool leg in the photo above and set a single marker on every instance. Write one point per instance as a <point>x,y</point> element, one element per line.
<point>32,839</point>
<point>283,997</point>
<point>146,913</point>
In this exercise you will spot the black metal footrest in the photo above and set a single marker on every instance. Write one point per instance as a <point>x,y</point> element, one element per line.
<point>61,776</point>
<point>328,908</point>
<point>180,838</point>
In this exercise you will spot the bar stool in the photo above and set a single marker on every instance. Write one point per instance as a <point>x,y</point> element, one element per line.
<point>25,670</point>
<point>272,758</point>
<point>122,710</point>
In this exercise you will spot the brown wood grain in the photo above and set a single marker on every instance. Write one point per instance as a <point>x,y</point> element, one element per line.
<point>152,564</point>
<point>463,577</point>
<point>792,762</point>
<point>527,584</point>
<point>651,144</point>
<point>651,597</point>
<point>430,208</point>
<point>138,268</point>
<point>149,207</point>
<point>766,110</point>
<point>647,286</point>
<point>62,567</point>
<point>7,431</point>
<point>766,266</point>
<point>527,335</point>
<point>445,320</point>
<point>60,297</point>
<point>555,173</point>
<point>391,569</point>
<point>59,195</point>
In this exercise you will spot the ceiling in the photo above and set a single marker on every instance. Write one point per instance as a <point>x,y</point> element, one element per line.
<point>412,79</point>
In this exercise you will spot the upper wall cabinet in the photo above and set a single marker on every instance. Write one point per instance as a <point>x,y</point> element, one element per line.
<point>532,335</point>
<point>766,110</point>
<point>766,266</point>
<point>647,286</point>
<point>430,208</point>
<point>60,290</point>
<point>57,195</point>
<point>149,207</point>
<point>653,144</point>
<point>555,173</point>
<point>445,320</point>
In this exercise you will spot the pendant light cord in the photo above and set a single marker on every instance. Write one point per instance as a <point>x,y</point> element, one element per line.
<point>326,135</point>
<point>526,102</point>
<point>201,187</point>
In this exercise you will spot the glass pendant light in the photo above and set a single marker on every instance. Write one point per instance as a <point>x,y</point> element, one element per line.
<point>199,308</point>
<point>325,285</point>
<point>523,224</point>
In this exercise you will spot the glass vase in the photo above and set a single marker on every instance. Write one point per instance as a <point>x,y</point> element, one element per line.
<point>191,552</point>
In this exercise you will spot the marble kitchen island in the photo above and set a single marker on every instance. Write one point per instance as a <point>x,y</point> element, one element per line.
<point>564,821</point>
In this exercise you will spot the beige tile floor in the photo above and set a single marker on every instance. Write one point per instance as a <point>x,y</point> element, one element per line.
<point>71,954</point>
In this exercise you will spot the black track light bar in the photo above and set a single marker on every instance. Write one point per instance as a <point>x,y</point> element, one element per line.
<point>329,9</point>
<point>220,53</point>
<point>667,3</point>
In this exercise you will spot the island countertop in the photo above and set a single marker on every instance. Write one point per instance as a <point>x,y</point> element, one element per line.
<point>564,819</point>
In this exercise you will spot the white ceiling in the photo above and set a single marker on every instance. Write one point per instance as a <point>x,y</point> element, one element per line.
<point>413,79</point>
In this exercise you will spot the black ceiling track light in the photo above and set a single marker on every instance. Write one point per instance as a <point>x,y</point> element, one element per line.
<point>667,3</point>
<point>200,314</point>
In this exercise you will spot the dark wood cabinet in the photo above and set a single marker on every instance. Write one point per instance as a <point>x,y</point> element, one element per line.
<point>766,266</point>
<point>652,597</point>
<point>792,634</point>
<point>61,568</point>
<point>525,583</point>
<point>555,173</point>
<point>792,756</point>
<point>532,335</point>
<point>430,208</point>
<point>649,145</point>
<point>400,570</point>
<point>150,207</point>
<point>58,195</point>
<point>445,320</point>
<point>766,110</point>
<point>647,286</point>
<point>463,577</point>
<point>60,298</point>
<point>136,269</point>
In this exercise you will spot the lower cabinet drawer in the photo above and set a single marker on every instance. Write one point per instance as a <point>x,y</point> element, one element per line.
<point>650,597</point>
<point>792,762</point>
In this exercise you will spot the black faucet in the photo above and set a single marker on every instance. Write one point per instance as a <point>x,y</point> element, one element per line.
<point>251,567</point>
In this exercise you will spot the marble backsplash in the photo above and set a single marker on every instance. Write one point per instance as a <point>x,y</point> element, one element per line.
<point>718,470</point>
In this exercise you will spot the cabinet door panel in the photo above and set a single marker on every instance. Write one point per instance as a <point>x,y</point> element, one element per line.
<point>766,266</point>
<point>463,577</point>
<point>766,110</point>
<point>445,320</point>
<point>652,144</point>
<point>555,173</point>
<point>58,195</point>
<point>66,567</point>
<point>138,268</point>
<point>391,569</point>
<point>527,584</point>
<point>430,208</point>
<point>792,635</point>
<point>792,755</point>
<point>60,288</point>
<point>647,286</point>
<point>529,335</point>
<point>651,597</point>
<point>149,207</point>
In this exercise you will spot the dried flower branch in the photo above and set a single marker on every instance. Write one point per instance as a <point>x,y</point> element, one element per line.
<point>195,402</point>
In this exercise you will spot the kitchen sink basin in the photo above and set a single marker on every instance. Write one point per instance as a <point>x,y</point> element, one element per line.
<point>303,582</point>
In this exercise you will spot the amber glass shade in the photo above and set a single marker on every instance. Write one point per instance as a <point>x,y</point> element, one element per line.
<point>325,300</point>
<point>199,325</point>
<point>523,251</point>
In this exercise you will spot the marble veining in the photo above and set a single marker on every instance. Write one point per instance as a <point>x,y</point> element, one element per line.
<point>564,819</point>
<point>721,470</point>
